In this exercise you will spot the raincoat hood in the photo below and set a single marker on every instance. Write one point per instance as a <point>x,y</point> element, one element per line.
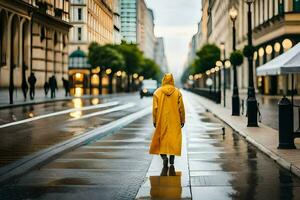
<point>168,86</point>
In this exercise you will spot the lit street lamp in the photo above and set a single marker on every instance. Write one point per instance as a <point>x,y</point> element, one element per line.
<point>251,100</point>
<point>222,47</point>
<point>235,95</point>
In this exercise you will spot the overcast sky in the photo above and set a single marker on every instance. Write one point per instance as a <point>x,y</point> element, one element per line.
<point>176,21</point>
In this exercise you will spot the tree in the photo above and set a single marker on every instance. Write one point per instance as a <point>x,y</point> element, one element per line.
<point>208,55</point>
<point>114,61</point>
<point>150,69</point>
<point>133,58</point>
<point>95,61</point>
<point>106,57</point>
<point>236,58</point>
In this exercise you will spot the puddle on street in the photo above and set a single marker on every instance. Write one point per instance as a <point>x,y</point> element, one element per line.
<point>227,167</point>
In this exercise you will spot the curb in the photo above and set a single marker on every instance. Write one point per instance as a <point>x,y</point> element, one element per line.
<point>22,166</point>
<point>279,160</point>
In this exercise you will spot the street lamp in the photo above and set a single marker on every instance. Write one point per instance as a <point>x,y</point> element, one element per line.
<point>251,100</point>
<point>222,47</point>
<point>235,95</point>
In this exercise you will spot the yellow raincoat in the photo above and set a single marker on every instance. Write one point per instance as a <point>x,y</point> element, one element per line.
<point>168,115</point>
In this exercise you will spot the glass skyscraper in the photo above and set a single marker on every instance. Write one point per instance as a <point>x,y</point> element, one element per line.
<point>129,20</point>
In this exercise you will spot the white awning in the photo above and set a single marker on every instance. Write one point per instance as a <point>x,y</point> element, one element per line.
<point>286,63</point>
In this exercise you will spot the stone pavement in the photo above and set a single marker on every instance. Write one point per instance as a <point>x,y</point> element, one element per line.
<point>263,137</point>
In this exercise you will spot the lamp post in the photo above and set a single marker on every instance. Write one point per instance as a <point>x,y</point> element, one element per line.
<point>251,100</point>
<point>222,47</point>
<point>235,95</point>
<point>219,65</point>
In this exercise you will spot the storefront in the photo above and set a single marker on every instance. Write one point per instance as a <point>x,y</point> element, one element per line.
<point>80,73</point>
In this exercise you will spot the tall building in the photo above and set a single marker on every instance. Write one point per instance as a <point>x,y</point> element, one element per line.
<point>33,38</point>
<point>148,39</point>
<point>129,20</point>
<point>93,21</point>
<point>117,22</point>
<point>137,25</point>
<point>194,45</point>
<point>160,56</point>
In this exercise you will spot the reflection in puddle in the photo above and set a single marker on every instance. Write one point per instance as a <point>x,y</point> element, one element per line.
<point>77,102</point>
<point>78,92</point>
<point>95,101</point>
<point>164,186</point>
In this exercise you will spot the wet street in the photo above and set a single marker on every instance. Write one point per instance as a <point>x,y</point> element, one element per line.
<point>213,165</point>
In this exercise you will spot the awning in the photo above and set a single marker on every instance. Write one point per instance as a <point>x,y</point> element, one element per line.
<point>286,63</point>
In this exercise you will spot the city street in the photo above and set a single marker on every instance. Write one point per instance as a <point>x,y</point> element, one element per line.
<point>118,166</point>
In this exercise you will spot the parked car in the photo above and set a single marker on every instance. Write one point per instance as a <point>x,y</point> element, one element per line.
<point>148,87</point>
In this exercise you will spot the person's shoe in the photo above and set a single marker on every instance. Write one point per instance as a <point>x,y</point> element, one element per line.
<point>164,171</point>
<point>172,171</point>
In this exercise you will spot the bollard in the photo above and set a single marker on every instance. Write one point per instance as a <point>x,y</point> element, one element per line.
<point>286,124</point>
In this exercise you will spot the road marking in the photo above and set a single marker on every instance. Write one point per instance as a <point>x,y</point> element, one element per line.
<point>114,103</point>
<point>118,108</point>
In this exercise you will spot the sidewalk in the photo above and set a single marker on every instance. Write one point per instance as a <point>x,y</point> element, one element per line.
<point>19,98</point>
<point>263,137</point>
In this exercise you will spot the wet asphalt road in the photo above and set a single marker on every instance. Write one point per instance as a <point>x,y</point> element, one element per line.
<point>20,140</point>
<point>118,166</point>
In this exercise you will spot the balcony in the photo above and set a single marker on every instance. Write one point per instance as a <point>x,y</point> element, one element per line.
<point>278,26</point>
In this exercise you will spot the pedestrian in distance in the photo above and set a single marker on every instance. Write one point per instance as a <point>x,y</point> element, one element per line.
<point>168,119</point>
<point>66,85</point>
<point>53,86</point>
<point>46,88</point>
<point>32,82</point>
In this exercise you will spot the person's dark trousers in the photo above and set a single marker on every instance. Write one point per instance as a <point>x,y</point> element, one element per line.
<point>32,93</point>
<point>165,157</point>
<point>52,94</point>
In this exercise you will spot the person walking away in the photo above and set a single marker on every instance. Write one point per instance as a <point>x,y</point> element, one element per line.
<point>53,86</point>
<point>32,82</point>
<point>168,119</point>
<point>46,88</point>
<point>66,86</point>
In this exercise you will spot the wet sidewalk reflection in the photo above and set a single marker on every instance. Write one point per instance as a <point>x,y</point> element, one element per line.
<point>227,167</point>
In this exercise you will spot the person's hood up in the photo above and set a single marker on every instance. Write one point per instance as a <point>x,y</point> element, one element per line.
<point>168,86</point>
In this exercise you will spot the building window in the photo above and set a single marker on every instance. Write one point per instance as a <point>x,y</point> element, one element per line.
<point>79,34</point>
<point>296,5</point>
<point>79,14</point>
<point>281,7</point>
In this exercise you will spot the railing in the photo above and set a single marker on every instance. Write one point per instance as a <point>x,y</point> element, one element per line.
<point>205,92</point>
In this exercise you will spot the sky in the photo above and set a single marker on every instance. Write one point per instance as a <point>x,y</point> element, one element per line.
<point>176,21</point>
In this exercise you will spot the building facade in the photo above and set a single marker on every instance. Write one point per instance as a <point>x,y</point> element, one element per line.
<point>160,56</point>
<point>117,22</point>
<point>93,21</point>
<point>137,25</point>
<point>129,20</point>
<point>33,38</point>
<point>275,29</point>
